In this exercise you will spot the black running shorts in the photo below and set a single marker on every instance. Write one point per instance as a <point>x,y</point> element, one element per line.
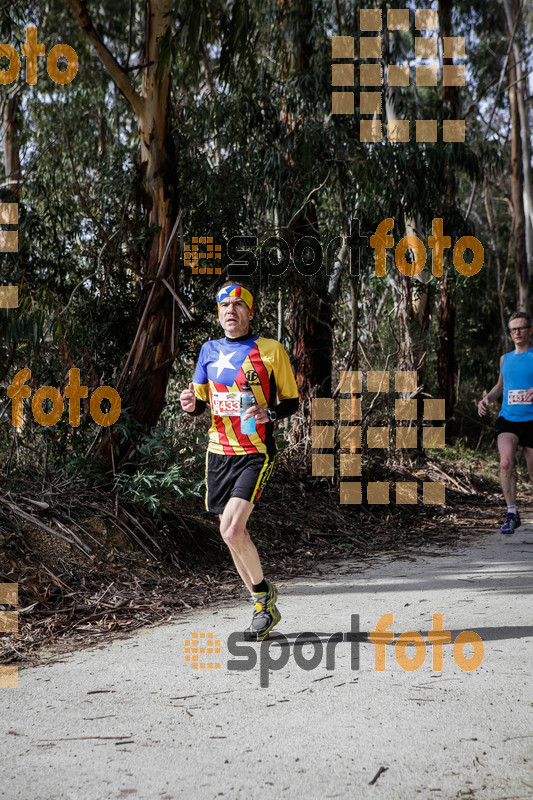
<point>235,476</point>
<point>524,430</point>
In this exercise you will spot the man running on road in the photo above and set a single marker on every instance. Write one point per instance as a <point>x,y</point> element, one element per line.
<point>514,425</point>
<point>239,465</point>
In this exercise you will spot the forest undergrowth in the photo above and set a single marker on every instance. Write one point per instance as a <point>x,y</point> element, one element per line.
<point>92,562</point>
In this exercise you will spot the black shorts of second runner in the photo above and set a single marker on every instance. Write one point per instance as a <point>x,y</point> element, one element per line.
<point>236,476</point>
<point>524,430</point>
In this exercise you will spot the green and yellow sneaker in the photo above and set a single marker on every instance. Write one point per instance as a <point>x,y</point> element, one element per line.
<point>266,615</point>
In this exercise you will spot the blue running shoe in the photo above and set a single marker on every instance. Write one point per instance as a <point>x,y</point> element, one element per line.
<point>512,522</point>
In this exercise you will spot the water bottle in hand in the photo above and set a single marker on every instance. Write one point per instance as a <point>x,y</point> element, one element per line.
<point>247,401</point>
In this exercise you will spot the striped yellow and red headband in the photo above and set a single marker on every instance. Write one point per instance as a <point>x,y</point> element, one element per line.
<point>236,291</point>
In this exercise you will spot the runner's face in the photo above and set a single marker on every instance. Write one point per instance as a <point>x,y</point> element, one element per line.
<point>520,333</point>
<point>234,316</point>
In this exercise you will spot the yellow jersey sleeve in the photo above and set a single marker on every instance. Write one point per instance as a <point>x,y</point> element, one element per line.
<point>283,375</point>
<point>200,379</point>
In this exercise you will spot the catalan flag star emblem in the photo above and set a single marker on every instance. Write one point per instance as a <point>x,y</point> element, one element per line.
<point>223,362</point>
<point>223,293</point>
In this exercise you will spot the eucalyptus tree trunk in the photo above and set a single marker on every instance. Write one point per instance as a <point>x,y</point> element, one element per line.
<point>152,354</point>
<point>446,347</point>
<point>11,148</point>
<point>413,313</point>
<point>413,306</point>
<point>520,170</point>
<point>310,316</point>
<point>517,195</point>
<point>512,9</point>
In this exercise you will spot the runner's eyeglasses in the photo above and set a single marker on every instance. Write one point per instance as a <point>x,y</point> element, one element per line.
<point>516,330</point>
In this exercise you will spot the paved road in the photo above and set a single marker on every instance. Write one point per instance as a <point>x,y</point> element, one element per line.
<point>134,719</point>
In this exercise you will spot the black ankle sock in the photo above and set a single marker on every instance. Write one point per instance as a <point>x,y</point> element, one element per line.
<point>260,587</point>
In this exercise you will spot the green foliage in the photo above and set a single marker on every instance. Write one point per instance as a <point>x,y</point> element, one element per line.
<point>254,139</point>
<point>162,470</point>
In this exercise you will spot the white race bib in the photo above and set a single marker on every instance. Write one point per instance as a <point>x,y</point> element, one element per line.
<point>226,404</point>
<point>516,396</point>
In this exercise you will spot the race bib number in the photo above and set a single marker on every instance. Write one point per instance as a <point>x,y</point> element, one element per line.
<point>226,404</point>
<point>516,396</point>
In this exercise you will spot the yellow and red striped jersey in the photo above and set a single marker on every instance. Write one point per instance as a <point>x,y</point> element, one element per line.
<point>223,366</point>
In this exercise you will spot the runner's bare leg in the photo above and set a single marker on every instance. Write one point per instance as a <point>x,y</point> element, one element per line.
<point>241,569</point>
<point>507,445</point>
<point>235,534</point>
<point>528,455</point>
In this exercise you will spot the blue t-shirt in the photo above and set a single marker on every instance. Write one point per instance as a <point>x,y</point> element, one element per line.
<point>517,371</point>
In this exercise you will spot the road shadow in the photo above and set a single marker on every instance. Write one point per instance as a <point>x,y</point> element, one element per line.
<point>487,634</point>
<point>512,575</point>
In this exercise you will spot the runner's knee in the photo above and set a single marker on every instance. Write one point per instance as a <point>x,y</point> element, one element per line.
<point>233,534</point>
<point>506,464</point>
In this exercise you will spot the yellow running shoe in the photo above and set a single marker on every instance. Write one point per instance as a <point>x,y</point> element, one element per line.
<point>265,616</point>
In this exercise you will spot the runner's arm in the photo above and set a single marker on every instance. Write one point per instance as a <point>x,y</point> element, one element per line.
<point>199,408</point>
<point>286,407</point>
<point>198,388</point>
<point>497,389</point>
<point>495,392</point>
<point>286,387</point>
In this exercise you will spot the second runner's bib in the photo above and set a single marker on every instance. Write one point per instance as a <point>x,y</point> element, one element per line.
<point>515,396</point>
<point>517,372</point>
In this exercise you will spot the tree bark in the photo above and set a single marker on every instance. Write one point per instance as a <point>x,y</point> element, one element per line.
<point>149,365</point>
<point>517,167</point>
<point>413,306</point>
<point>446,348</point>
<point>512,9</point>
<point>11,149</point>
<point>413,314</point>
<point>517,195</point>
<point>310,318</point>
<point>446,356</point>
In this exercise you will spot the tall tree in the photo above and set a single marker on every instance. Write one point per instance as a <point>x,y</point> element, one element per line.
<point>519,149</point>
<point>152,355</point>
<point>447,309</point>
<point>310,306</point>
<point>514,20</point>
<point>11,146</point>
<point>413,292</point>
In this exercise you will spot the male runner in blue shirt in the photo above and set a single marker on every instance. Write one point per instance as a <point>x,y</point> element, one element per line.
<point>238,465</point>
<point>514,425</point>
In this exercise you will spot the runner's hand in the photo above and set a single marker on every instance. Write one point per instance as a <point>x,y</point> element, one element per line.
<point>482,406</point>
<point>529,395</point>
<point>258,412</point>
<point>188,398</point>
